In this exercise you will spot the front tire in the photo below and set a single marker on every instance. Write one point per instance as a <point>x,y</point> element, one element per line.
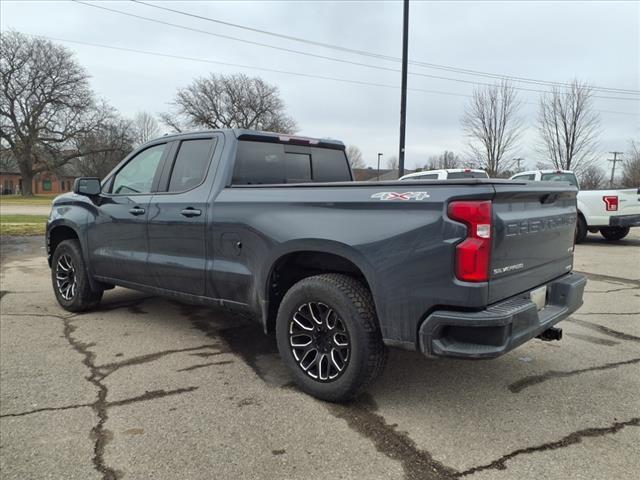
<point>328,336</point>
<point>70,279</point>
<point>614,233</point>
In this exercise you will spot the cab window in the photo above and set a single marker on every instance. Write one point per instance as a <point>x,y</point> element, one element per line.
<point>560,177</point>
<point>191,164</point>
<point>138,174</point>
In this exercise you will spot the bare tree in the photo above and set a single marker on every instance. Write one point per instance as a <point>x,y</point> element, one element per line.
<point>108,145</point>
<point>7,161</point>
<point>592,177</point>
<point>392,163</point>
<point>631,167</point>
<point>229,101</point>
<point>145,128</point>
<point>493,125</point>
<point>445,160</point>
<point>354,155</point>
<point>569,127</point>
<point>45,106</point>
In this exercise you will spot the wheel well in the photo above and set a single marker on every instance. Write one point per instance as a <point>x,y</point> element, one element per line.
<point>293,267</point>
<point>60,234</point>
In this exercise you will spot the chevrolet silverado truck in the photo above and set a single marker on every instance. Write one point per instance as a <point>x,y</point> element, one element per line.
<point>610,212</point>
<point>274,226</point>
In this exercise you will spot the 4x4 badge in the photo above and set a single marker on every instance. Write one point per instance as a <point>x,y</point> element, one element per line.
<point>400,196</point>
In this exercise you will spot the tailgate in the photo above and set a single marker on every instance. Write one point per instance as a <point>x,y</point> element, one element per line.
<point>533,234</point>
<point>629,203</point>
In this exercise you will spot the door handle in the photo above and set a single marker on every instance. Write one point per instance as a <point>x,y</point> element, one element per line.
<point>136,211</point>
<point>191,212</point>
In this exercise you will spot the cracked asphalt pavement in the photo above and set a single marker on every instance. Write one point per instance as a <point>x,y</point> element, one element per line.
<point>147,388</point>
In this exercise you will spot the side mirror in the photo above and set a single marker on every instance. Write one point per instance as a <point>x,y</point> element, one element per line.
<point>88,186</point>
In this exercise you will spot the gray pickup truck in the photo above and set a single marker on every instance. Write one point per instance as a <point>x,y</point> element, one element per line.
<point>274,226</point>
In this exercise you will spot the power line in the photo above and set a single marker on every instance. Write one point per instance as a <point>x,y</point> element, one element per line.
<point>465,71</point>
<point>250,67</point>
<point>324,57</point>
<point>273,70</point>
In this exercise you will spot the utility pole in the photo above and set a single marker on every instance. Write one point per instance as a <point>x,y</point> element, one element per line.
<point>613,168</point>
<point>379,155</point>
<point>403,90</point>
<point>518,160</point>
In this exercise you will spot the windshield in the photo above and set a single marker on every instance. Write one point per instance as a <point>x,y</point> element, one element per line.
<point>560,177</point>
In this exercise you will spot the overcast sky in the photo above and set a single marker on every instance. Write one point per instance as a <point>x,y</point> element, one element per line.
<point>598,42</point>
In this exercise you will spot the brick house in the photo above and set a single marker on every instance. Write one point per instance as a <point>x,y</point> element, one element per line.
<point>42,184</point>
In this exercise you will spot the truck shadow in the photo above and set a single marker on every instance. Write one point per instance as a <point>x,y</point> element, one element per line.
<point>597,239</point>
<point>477,393</point>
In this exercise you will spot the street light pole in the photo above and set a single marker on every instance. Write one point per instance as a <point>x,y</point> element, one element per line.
<point>379,155</point>
<point>403,90</point>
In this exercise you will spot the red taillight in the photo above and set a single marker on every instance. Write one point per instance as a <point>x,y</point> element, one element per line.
<point>611,201</point>
<point>474,253</point>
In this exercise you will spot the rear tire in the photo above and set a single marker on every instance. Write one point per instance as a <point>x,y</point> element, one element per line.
<point>70,279</point>
<point>334,316</point>
<point>581,230</point>
<point>614,233</point>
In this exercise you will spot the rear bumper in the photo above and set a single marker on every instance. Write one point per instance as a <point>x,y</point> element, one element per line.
<point>625,221</point>
<point>501,327</point>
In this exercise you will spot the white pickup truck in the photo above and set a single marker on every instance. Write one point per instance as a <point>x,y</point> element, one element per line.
<point>611,212</point>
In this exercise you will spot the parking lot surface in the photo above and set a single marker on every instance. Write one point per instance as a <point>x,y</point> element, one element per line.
<point>147,388</point>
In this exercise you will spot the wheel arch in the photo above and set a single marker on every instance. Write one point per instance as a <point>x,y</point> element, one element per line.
<point>60,230</point>
<point>59,233</point>
<point>304,260</point>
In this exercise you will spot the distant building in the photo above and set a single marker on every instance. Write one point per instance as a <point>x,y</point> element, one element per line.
<point>43,183</point>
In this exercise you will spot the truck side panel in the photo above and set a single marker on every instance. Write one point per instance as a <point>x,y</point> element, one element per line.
<point>403,248</point>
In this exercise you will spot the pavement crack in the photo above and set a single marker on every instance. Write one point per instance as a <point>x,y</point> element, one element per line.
<point>417,464</point>
<point>98,373</point>
<point>46,409</point>
<point>526,382</point>
<point>100,435</point>
<point>604,330</point>
<point>612,290</point>
<point>571,439</point>
<point>609,278</point>
<point>151,395</point>
<point>607,313</point>
<point>152,357</point>
<point>203,365</point>
<point>54,315</point>
<point>595,340</point>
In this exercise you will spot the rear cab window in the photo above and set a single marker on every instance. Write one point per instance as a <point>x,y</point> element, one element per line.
<point>529,177</point>
<point>426,176</point>
<point>264,163</point>
<point>459,175</point>
<point>559,177</point>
